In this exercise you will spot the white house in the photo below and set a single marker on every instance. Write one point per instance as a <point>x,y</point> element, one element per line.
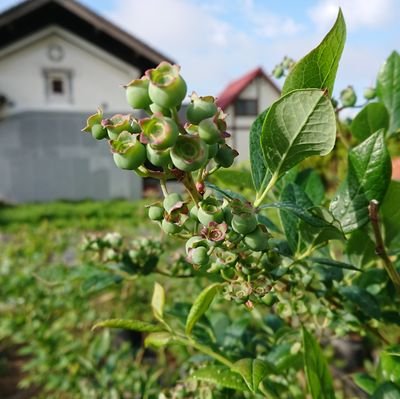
<point>59,61</point>
<point>243,99</point>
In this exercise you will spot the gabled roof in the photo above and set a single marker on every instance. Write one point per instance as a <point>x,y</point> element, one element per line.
<point>233,90</point>
<point>31,16</point>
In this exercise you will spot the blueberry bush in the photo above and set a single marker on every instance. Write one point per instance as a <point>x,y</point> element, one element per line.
<point>299,273</point>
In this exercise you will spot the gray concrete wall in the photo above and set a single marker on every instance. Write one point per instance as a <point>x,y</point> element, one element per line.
<point>45,156</point>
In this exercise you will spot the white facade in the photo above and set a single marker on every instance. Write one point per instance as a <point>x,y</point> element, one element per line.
<point>53,80</point>
<point>238,125</point>
<point>92,76</point>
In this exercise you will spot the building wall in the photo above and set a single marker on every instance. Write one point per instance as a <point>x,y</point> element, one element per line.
<point>239,126</point>
<point>96,76</point>
<point>43,153</point>
<point>44,156</point>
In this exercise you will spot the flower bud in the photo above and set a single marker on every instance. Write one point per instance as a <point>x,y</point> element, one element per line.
<point>189,153</point>
<point>93,125</point>
<point>348,97</point>
<point>167,88</point>
<point>225,156</point>
<point>200,108</point>
<point>137,93</point>
<point>159,131</point>
<point>128,152</point>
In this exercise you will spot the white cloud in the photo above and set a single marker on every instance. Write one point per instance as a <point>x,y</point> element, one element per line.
<point>209,43</point>
<point>358,13</point>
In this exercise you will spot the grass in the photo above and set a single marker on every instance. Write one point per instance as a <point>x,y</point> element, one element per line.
<point>85,214</point>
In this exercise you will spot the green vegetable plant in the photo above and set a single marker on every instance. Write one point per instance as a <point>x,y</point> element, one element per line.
<point>307,264</point>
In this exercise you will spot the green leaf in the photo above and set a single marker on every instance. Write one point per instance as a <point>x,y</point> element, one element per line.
<point>290,222</point>
<point>259,171</point>
<point>282,358</point>
<point>318,68</point>
<point>158,339</point>
<point>253,371</point>
<point>387,390</point>
<point>388,89</point>
<point>297,126</point>
<point>158,301</point>
<point>362,299</point>
<point>225,192</point>
<point>368,178</point>
<point>312,216</point>
<point>389,365</point>
<point>391,212</point>
<point>365,382</point>
<point>126,324</point>
<point>200,306</point>
<point>310,181</point>
<point>360,249</point>
<point>222,376</point>
<point>369,120</point>
<point>334,263</point>
<point>318,376</point>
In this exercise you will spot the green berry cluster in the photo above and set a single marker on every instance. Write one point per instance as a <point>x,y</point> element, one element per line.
<point>223,236</point>
<point>283,68</point>
<point>161,138</point>
<point>136,257</point>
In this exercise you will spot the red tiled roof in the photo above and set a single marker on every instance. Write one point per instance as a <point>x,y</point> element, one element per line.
<point>232,91</point>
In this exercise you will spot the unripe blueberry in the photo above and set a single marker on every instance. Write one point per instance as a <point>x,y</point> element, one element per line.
<point>257,240</point>
<point>244,223</point>
<point>189,153</point>
<point>269,299</point>
<point>158,157</point>
<point>209,131</point>
<point>195,242</point>
<point>170,228</point>
<point>128,152</point>
<point>172,201</point>
<point>225,156</point>
<point>210,210</point>
<point>167,87</point>
<point>137,93</point>
<point>193,212</point>
<point>278,72</point>
<point>369,93</point>
<point>99,132</point>
<point>156,109</point>
<point>287,62</point>
<point>116,125</point>
<point>156,212</point>
<point>200,108</point>
<point>274,257</point>
<point>212,150</point>
<point>199,256</point>
<point>159,131</point>
<point>348,97</point>
<point>93,125</point>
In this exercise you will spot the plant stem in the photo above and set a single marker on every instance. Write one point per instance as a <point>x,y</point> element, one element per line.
<point>260,199</point>
<point>380,246</point>
<point>204,349</point>
<point>163,186</point>
<point>191,188</point>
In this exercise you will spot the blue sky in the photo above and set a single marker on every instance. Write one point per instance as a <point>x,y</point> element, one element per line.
<point>216,41</point>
